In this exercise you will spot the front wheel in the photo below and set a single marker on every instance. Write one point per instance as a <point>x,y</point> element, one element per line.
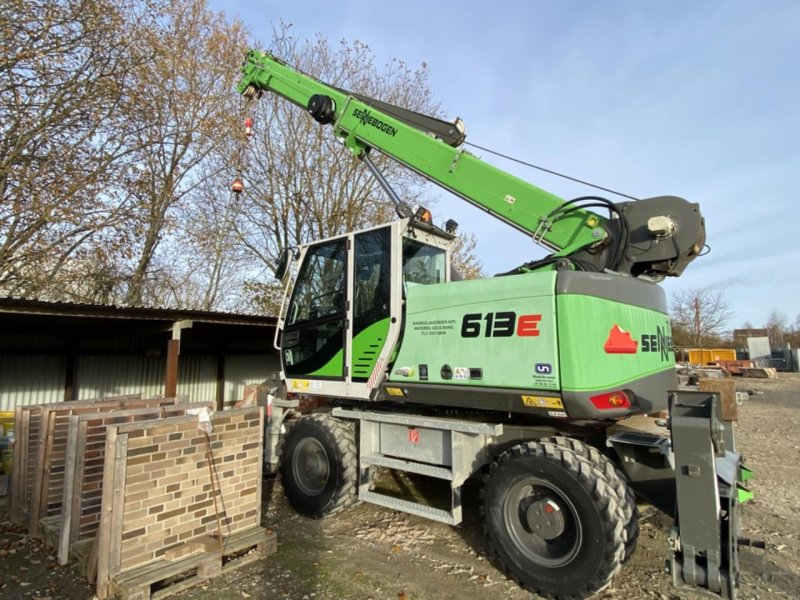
<point>319,465</point>
<point>551,520</point>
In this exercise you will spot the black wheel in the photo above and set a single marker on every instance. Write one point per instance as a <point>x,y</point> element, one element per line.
<point>552,521</point>
<point>616,481</point>
<point>319,465</point>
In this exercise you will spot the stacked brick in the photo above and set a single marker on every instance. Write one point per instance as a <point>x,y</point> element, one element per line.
<point>167,483</point>
<point>140,492</point>
<point>38,455</point>
<point>51,456</point>
<point>85,460</point>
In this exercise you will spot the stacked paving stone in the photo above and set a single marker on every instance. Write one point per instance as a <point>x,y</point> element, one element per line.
<point>145,495</point>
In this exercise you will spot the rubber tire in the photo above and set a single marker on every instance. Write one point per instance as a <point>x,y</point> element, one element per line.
<point>338,440</point>
<point>616,481</point>
<point>598,558</point>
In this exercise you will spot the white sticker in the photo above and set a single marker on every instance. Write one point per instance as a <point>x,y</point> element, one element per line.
<point>556,413</point>
<point>460,373</point>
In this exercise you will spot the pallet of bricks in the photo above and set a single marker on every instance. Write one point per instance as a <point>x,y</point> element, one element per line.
<point>146,497</point>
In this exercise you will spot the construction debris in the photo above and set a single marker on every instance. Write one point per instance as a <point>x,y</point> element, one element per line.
<point>765,373</point>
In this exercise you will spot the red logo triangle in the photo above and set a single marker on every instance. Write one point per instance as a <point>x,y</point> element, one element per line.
<point>620,342</point>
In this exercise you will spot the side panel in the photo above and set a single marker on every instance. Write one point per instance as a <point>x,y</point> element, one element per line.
<point>367,345</point>
<point>497,333</point>
<point>614,334</point>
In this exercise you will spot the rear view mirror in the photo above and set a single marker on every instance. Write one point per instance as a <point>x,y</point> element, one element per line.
<point>283,263</point>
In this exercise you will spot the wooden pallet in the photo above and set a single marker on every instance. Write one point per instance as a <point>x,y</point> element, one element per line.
<point>79,554</point>
<point>164,578</point>
<point>85,458</point>
<point>49,528</point>
<point>248,546</point>
<point>161,490</point>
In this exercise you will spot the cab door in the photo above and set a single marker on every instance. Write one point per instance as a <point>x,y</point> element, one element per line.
<point>313,341</point>
<point>372,301</point>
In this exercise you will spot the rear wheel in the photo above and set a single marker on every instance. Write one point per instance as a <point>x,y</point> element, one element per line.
<point>552,521</point>
<point>626,497</point>
<point>319,465</point>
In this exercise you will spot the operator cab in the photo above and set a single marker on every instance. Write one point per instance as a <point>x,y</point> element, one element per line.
<point>345,313</point>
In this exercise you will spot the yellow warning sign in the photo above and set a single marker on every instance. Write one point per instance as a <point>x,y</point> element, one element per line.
<point>542,401</point>
<point>393,391</point>
<point>300,384</point>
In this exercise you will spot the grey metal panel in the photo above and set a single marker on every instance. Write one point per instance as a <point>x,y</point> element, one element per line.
<point>432,446</point>
<point>97,376</point>
<point>628,290</point>
<point>197,378</point>
<point>247,369</point>
<point>26,380</point>
<point>758,348</point>
<point>650,397</point>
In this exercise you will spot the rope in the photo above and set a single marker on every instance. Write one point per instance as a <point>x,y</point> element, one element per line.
<point>550,171</point>
<point>211,474</point>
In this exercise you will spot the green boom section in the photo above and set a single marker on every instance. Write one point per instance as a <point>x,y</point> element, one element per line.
<point>605,344</point>
<point>363,126</point>
<point>481,333</point>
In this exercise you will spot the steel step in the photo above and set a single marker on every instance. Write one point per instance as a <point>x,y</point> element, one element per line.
<point>414,508</point>
<point>380,460</point>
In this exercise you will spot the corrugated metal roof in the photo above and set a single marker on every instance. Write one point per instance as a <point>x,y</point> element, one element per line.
<point>41,307</point>
<point>26,380</point>
<point>122,350</point>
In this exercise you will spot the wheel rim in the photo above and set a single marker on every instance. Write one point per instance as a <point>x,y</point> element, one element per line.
<point>310,467</point>
<point>542,522</point>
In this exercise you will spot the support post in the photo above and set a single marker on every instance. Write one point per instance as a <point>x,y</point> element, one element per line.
<point>69,376</point>
<point>171,376</point>
<point>173,354</point>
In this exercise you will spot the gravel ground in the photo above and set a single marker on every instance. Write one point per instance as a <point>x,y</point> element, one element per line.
<point>371,552</point>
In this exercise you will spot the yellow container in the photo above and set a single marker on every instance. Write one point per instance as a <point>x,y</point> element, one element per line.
<point>709,355</point>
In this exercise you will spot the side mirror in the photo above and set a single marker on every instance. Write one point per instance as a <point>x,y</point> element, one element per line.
<point>283,263</point>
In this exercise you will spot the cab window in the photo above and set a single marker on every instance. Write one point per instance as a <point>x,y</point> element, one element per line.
<point>422,264</point>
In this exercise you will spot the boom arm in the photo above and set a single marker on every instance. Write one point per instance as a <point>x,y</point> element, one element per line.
<point>431,148</point>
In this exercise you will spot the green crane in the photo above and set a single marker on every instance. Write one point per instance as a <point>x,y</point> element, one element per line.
<point>535,379</point>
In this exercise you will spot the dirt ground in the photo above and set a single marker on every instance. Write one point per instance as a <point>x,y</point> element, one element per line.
<point>371,552</point>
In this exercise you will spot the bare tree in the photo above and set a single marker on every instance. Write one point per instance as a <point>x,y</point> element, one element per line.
<point>463,259</point>
<point>778,326</point>
<point>699,316</point>
<point>302,185</point>
<point>181,110</point>
<point>120,133</point>
<point>64,68</point>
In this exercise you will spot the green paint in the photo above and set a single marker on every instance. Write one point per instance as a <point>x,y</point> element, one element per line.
<point>745,474</point>
<point>585,323</point>
<point>333,368</point>
<point>360,125</point>
<point>743,494</point>
<point>366,348</point>
<point>435,316</point>
<point>367,345</point>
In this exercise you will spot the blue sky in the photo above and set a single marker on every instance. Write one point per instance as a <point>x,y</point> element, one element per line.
<point>695,99</point>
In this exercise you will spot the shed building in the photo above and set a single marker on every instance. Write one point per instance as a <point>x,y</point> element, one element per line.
<point>56,351</point>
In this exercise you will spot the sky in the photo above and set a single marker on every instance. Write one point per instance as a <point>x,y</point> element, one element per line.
<point>695,99</point>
